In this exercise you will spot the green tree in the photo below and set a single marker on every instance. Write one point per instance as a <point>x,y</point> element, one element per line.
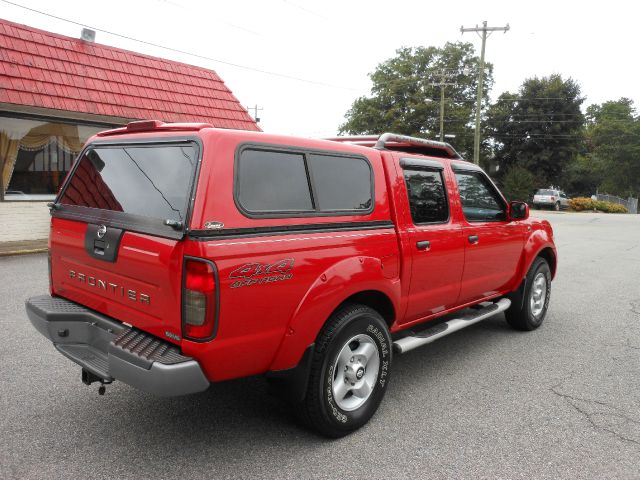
<point>582,177</point>
<point>613,139</point>
<point>518,184</point>
<point>405,100</point>
<point>540,128</point>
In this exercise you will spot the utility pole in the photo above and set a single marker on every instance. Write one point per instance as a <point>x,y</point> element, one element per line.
<point>486,31</point>
<point>255,112</point>
<point>442,84</point>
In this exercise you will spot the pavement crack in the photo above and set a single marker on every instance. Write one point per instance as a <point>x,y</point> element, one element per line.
<point>578,404</point>
<point>627,344</point>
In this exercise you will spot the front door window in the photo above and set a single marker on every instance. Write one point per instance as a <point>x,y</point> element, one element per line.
<point>480,201</point>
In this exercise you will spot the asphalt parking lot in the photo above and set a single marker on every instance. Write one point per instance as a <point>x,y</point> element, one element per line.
<point>487,402</point>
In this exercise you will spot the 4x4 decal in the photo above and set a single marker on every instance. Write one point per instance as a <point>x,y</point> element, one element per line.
<point>261,273</point>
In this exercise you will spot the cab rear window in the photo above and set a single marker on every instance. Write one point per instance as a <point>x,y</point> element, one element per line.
<point>141,180</point>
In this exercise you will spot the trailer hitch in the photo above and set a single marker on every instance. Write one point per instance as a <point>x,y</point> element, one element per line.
<point>88,378</point>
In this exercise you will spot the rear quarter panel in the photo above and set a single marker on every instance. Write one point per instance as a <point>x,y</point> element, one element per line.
<point>283,310</point>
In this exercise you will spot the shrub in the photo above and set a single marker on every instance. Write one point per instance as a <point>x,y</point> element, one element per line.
<point>615,208</point>
<point>582,203</point>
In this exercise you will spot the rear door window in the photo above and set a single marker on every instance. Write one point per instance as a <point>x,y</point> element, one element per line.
<point>427,197</point>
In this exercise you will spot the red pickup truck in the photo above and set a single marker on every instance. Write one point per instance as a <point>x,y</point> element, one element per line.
<point>182,254</point>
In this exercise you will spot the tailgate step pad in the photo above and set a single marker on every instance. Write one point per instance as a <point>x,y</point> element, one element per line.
<point>144,349</point>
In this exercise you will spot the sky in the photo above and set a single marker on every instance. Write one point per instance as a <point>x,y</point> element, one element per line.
<point>320,53</point>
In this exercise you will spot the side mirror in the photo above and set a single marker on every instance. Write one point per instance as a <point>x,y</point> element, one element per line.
<point>518,211</point>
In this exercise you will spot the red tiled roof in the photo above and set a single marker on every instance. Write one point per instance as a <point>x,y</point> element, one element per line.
<point>43,69</point>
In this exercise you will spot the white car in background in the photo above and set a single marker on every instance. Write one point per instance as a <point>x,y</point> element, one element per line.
<point>549,197</point>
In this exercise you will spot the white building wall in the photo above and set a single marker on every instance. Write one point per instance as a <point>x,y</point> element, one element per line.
<point>23,221</point>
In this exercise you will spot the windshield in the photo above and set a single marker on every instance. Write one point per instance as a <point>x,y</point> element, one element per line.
<point>149,181</point>
<point>546,192</point>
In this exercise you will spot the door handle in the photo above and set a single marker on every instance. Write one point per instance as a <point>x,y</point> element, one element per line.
<point>423,245</point>
<point>473,239</point>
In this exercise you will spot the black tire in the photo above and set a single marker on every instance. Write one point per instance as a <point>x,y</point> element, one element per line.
<point>556,207</point>
<point>520,314</point>
<point>319,409</point>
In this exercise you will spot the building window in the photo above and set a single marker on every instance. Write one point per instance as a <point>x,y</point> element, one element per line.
<point>35,155</point>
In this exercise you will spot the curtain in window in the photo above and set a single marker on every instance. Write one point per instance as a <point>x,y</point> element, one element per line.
<point>8,153</point>
<point>25,136</point>
<point>65,135</point>
<point>22,136</point>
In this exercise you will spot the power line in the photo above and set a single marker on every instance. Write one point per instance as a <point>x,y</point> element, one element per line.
<point>267,72</point>
<point>530,115</point>
<point>453,119</point>
<point>184,52</point>
<point>216,19</point>
<point>466,100</point>
<point>300,7</point>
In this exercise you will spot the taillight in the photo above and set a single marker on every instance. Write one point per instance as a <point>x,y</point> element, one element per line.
<point>553,199</point>
<point>199,300</point>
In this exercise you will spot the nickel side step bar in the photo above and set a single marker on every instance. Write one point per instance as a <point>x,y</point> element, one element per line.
<point>429,335</point>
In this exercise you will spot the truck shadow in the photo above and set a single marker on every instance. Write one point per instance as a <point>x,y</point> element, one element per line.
<point>241,417</point>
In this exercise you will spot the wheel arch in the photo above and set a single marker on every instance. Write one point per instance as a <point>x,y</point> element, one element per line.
<point>550,256</point>
<point>539,244</point>
<point>292,382</point>
<point>375,299</point>
<point>355,280</point>
<point>548,253</point>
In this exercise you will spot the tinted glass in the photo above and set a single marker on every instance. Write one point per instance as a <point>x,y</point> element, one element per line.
<point>427,198</point>
<point>546,192</point>
<point>150,181</point>
<point>273,182</point>
<point>480,201</point>
<point>341,183</point>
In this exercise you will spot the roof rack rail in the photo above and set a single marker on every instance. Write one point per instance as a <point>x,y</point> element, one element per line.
<point>397,142</point>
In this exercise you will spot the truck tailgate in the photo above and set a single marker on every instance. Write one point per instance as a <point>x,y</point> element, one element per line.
<point>142,287</point>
